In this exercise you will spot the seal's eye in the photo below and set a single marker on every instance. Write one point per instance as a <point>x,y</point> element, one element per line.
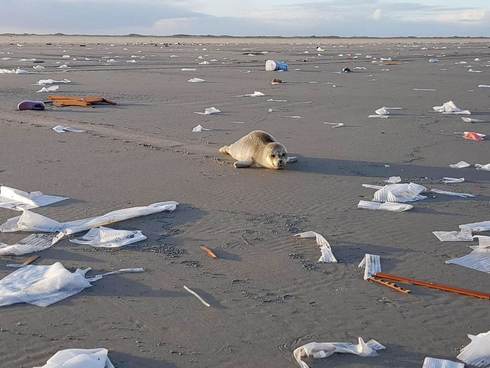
<point>273,156</point>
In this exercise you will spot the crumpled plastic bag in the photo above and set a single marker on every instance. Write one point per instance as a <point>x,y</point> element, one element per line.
<point>388,206</point>
<point>400,193</point>
<point>441,363</point>
<point>460,165</point>
<point>17,199</point>
<point>319,350</point>
<point>485,167</point>
<point>371,264</point>
<point>327,254</point>
<point>209,111</point>
<point>67,129</point>
<point>79,358</point>
<point>199,128</point>
<point>477,352</point>
<point>104,237</point>
<point>451,108</point>
<point>46,285</point>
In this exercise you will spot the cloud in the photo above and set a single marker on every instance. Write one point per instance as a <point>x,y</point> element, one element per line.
<point>376,14</point>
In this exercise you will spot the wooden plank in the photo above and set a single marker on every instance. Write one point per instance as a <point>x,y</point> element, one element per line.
<point>209,252</point>
<point>30,260</point>
<point>433,285</point>
<point>388,284</point>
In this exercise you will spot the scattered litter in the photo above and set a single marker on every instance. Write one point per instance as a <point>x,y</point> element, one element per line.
<point>49,89</point>
<point>462,235</point>
<point>388,206</point>
<point>474,136</point>
<point>484,86</point>
<point>478,259</point>
<point>360,68</point>
<point>334,125</point>
<point>16,199</point>
<point>447,180</point>
<point>209,252</point>
<point>43,82</point>
<point>371,264</point>
<point>460,165</point>
<point>474,71</point>
<point>45,285</point>
<point>433,60</point>
<point>441,363</point>
<point>14,71</point>
<point>31,105</point>
<point>188,69</point>
<point>104,237</point>
<point>38,67</point>
<point>319,350</point>
<point>271,65</point>
<point>400,193</point>
<point>255,94</point>
<point>199,128</point>
<point>33,222</point>
<point>86,101</point>
<point>197,296</point>
<point>209,111</point>
<point>196,80</point>
<point>454,194</point>
<point>472,120</point>
<point>66,129</point>
<point>276,81</point>
<point>80,358</point>
<point>204,62</point>
<point>450,108</point>
<point>327,255</point>
<point>483,167</point>
<point>31,244</point>
<point>393,180</point>
<point>477,352</point>
<point>383,112</point>
<point>64,66</point>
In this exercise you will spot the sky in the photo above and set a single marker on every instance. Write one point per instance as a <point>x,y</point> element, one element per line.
<point>249,17</point>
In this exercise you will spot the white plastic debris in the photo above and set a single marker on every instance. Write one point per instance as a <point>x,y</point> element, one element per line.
<point>388,206</point>
<point>199,128</point>
<point>400,193</point>
<point>14,71</point>
<point>327,254</point>
<point>255,94</point>
<point>79,358</point>
<point>454,194</point>
<point>484,86</point>
<point>433,60</point>
<point>477,352</point>
<point>393,180</point>
<point>483,241</point>
<point>476,227</point>
<point>320,49</point>
<point>460,165</point>
<point>441,363</point>
<point>320,350</point>
<point>33,222</point>
<point>209,111</point>
<point>451,108</point>
<point>38,67</point>
<point>44,285</point>
<point>16,199</point>
<point>104,237</point>
<point>49,89</point>
<point>197,296</point>
<point>196,80</point>
<point>66,129</point>
<point>459,236</point>
<point>449,180</point>
<point>478,259</point>
<point>43,82</point>
<point>65,56</point>
<point>188,69</point>
<point>485,167</point>
<point>31,244</point>
<point>384,111</point>
<point>371,264</point>
<point>472,120</point>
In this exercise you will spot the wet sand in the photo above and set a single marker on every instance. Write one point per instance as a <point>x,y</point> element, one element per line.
<point>268,293</point>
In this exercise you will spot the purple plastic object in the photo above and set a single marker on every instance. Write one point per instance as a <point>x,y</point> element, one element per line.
<point>31,105</point>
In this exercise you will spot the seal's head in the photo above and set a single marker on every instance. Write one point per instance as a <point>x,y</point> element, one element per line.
<point>275,155</point>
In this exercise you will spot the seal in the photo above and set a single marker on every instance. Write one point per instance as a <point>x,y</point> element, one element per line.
<point>258,148</point>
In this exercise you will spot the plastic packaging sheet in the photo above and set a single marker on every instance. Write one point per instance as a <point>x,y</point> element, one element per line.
<point>319,350</point>
<point>67,129</point>
<point>327,254</point>
<point>33,222</point>
<point>32,243</point>
<point>388,206</point>
<point>460,165</point>
<point>209,111</point>
<point>463,235</point>
<point>196,80</point>
<point>18,200</point>
<point>79,358</point>
<point>104,237</point>
<point>441,363</point>
<point>483,167</point>
<point>454,194</point>
<point>199,128</point>
<point>477,352</point>
<point>45,285</point>
<point>478,259</point>
<point>448,180</point>
<point>43,82</point>
<point>371,264</point>
<point>400,193</point>
<point>451,108</point>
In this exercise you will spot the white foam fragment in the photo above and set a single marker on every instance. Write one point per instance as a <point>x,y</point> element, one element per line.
<point>450,108</point>
<point>325,248</point>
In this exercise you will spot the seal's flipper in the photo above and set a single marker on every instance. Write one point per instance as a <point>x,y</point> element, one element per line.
<point>243,164</point>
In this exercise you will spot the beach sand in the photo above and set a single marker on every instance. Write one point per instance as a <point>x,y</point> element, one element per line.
<point>268,293</point>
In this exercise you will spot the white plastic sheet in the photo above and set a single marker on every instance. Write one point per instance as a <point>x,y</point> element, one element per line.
<point>196,80</point>
<point>255,94</point>
<point>30,221</point>
<point>478,259</point>
<point>449,180</point>
<point>17,199</point>
<point>199,128</point>
<point>460,165</point>
<point>79,358</point>
<point>67,129</point>
<point>451,108</point>
<point>441,363</point>
<point>485,167</point>
<point>464,235</point>
<point>44,285</point>
<point>327,254</point>
<point>49,89</point>
<point>477,352</point>
<point>454,194</point>
<point>104,237</point>
<point>472,120</point>
<point>400,193</point>
<point>393,180</point>
<point>43,82</point>
<point>319,350</point>
<point>209,111</point>
<point>388,206</point>
<point>30,244</point>
<point>371,264</point>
